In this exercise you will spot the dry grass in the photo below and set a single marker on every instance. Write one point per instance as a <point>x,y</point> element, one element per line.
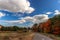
<point>16,35</point>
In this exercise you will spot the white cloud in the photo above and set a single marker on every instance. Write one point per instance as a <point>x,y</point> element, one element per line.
<point>37,18</point>
<point>49,13</point>
<point>57,12</point>
<point>30,10</point>
<point>16,5</point>
<point>28,18</point>
<point>22,21</point>
<point>14,21</point>
<point>41,18</point>
<point>1,14</point>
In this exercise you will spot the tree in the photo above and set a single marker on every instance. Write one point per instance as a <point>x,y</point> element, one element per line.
<point>50,26</point>
<point>35,27</point>
<point>15,28</point>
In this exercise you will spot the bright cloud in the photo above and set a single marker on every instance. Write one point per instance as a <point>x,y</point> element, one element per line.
<point>57,12</point>
<point>22,21</point>
<point>49,13</point>
<point>41,18</point>
<point>16,5</point>
<point>1,14</point>
<point>37,18</point>
<point>28,18</point>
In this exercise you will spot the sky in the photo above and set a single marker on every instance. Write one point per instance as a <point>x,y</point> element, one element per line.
<point>25,13</point>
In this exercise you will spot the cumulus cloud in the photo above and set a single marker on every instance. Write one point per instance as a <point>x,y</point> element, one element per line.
<point>57,12</point>
<point>37,18</point>
<point>16,6</point>
<point>41,18</point>
<point>1,14</point>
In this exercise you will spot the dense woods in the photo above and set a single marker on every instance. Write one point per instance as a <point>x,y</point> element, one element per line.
<point>51,26</point>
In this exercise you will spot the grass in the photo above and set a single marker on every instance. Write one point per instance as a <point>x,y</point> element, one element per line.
<point>16,35</point>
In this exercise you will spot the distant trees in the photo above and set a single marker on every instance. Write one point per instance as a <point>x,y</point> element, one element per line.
<point>14,28</point>
<point>51,26</point>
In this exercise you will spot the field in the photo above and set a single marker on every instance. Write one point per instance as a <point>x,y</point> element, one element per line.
<point>16,35</point>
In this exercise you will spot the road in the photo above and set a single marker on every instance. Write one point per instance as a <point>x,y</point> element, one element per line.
<point>38,36</point>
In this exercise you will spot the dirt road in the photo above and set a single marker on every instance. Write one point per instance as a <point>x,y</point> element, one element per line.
<point>38,36</point>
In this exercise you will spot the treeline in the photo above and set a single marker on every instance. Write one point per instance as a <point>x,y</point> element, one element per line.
<point>51,26</point>
<point>14,28</point>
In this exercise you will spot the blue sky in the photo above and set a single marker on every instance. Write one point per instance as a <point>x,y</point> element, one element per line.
<point>27,12</point>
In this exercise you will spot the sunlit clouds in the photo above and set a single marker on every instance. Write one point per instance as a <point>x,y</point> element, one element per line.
<point>1,14</point>
<point>16,6</point>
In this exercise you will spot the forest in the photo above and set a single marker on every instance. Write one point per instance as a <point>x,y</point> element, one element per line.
<point>52,26</point>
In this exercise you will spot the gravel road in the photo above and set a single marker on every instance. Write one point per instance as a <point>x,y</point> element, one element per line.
<point>38,36</point>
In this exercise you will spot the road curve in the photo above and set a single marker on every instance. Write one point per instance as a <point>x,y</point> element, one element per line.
<point>38,36</point>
